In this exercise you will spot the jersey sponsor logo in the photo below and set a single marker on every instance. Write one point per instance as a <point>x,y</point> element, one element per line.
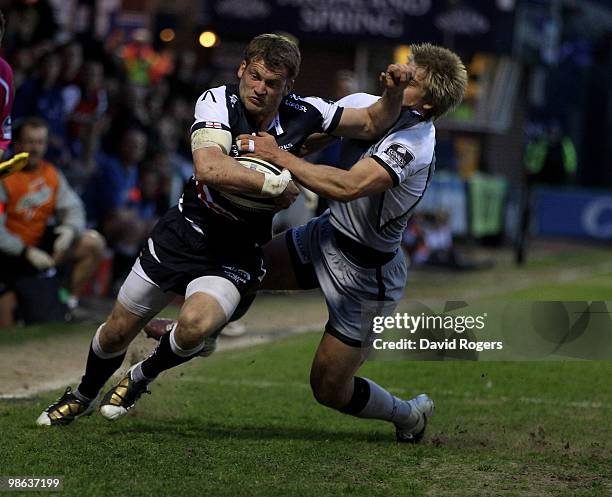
<point>237,275</point>
<point>296,106</point>
<point>399,155</point>
<point>33,200</point>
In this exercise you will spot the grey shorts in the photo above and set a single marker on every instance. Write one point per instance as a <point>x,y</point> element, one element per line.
<point>353,294</point>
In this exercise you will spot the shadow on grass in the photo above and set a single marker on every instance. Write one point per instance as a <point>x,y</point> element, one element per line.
<point>190,427</point>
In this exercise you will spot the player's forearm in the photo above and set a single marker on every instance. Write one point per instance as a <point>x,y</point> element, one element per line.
<point>326,181</point>
<point>223,173</point>
<point>382,114</point>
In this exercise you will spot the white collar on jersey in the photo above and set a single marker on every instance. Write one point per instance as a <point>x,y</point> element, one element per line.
<point>276,125</point>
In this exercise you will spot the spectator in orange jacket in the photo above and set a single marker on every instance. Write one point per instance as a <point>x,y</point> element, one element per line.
<point>42,222</point>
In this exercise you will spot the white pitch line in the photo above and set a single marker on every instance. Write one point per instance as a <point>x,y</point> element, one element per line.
<point>226,344</point>
<point>26,393</point>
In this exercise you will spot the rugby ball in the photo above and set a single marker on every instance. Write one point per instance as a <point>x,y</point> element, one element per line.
<point>252,201</point>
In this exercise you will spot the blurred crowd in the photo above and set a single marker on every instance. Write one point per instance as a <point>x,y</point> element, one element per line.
<point>117,114</point>
<point>106,124</point>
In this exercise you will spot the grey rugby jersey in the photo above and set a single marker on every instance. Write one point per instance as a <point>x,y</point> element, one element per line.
<point>221,108</point>
<point>406,151</point>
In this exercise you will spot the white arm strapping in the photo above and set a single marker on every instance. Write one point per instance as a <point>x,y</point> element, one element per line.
<point>275,185</point>
<point>209,137</point>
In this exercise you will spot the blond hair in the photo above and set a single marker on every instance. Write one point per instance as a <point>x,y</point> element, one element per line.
<point>445,77</point>
<point>277,52</point>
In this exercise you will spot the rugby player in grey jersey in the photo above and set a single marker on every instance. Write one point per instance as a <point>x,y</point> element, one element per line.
<point>352,250</point>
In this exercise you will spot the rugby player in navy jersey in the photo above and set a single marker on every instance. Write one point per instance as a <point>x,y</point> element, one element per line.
<point>207,248</point>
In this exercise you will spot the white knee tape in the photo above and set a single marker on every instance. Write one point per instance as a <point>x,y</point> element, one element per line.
<point>221,289</point>
<point>183,352</point>
<point>95,345</point>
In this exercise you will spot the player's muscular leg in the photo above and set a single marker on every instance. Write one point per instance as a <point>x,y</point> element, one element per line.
<point>200,316</point>
<point>332,371</point>
<point>280,274</point>
<point>120,329</point>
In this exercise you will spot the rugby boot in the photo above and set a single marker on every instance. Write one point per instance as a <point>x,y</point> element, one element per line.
<point>65,410</point>
<point>422,408</point>
<point>122,397</point>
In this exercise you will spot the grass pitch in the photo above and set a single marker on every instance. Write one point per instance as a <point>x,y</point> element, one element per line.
<point>243,423</point>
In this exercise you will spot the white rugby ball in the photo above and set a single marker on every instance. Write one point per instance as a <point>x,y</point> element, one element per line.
<point>252,201</point>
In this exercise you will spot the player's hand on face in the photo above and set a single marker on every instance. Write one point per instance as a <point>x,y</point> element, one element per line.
<point>396,78</point>
<point>290,195</point>
<point>262,145</point>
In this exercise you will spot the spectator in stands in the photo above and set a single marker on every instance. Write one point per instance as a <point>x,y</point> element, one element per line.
<point>42,223</point>
<point>179,162</point>
<point>22,61</point>
<point>551,158</point>
<point>114,201</point>
<point>71,54</point>
<point>87,119</point>
<point>41,95</point>
<point>182,80</point>
<point>31,23</point>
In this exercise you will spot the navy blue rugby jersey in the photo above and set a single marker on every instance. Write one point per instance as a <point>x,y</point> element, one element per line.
<point>221,108</point>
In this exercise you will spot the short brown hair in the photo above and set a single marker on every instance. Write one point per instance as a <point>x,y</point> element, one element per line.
<point>28,122</point>
<point>277,52</point>
<point>445,76</point>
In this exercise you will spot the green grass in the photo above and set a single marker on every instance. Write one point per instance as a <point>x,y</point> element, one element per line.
<point>34,333</point>
<point>244,423</point>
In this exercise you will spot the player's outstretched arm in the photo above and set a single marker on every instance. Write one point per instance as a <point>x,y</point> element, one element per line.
<point>366,177</point>
<point>371,122</point>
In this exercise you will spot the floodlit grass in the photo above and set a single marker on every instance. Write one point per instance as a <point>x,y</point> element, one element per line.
<point>244,423</point>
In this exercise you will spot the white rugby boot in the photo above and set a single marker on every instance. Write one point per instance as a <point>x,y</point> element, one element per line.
<point>422,409</point>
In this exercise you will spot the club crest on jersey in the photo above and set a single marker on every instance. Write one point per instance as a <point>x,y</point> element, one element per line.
<point>399,154</point>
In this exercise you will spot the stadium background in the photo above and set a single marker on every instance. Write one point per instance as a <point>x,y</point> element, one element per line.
<point>501,429</point>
